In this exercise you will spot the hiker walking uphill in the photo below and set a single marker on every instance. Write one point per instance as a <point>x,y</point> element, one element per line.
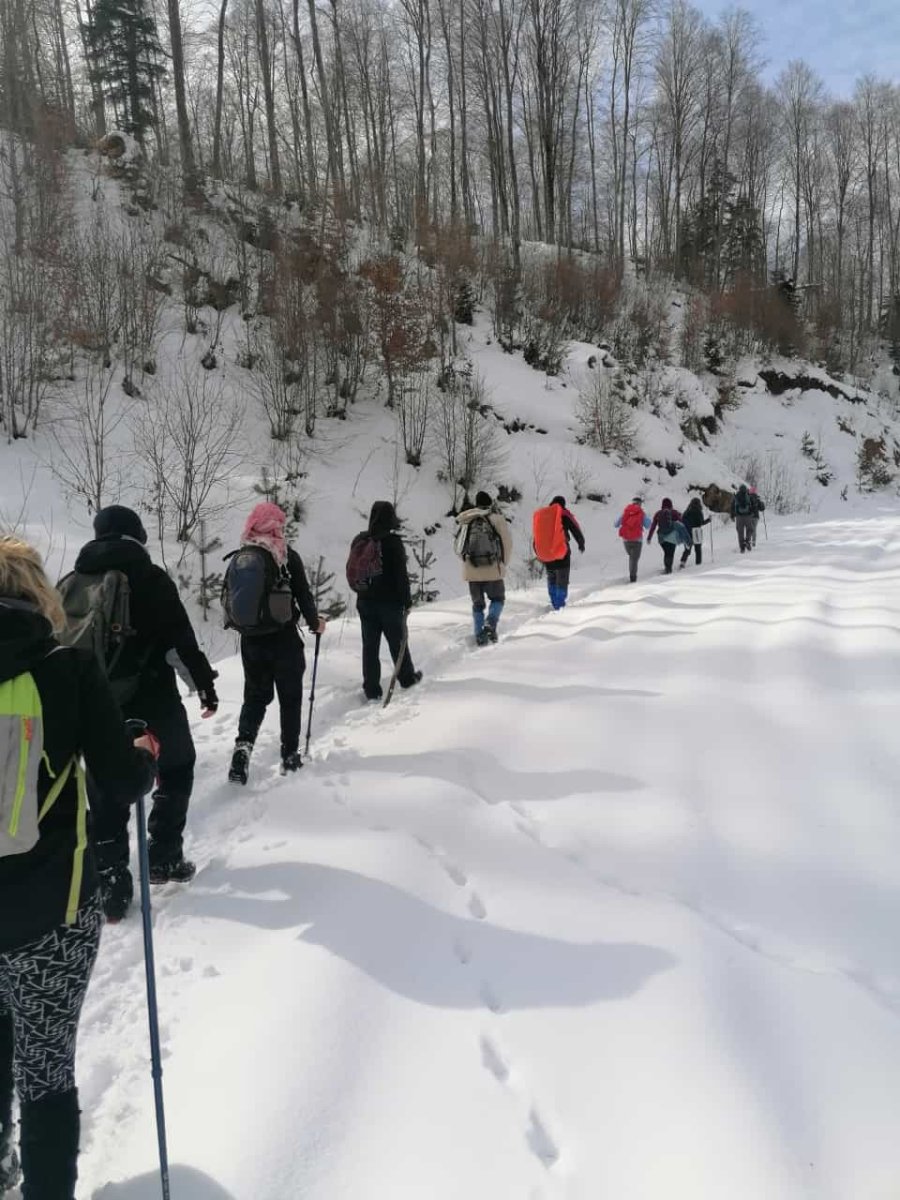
<point>377,572</point>
<point>742,513</point>
<point>552,528</point>
<point>667,524</point>
<point>631,526</point>
<point>264,594</point>
<point>693,521</point>
<point>756,509</point>
<point>114,579</point>
<point>56,708</point>
<point>484,543</point>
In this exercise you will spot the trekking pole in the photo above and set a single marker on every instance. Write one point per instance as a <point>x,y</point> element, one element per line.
<point>136,728</point>
<point>712,547</point>
<point>404,642</point>
<point>312,693</point>
<point>765,526</point>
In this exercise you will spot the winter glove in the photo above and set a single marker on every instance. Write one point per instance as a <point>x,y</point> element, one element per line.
<point>209,701</point>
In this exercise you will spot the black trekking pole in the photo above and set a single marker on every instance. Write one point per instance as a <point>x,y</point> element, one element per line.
<point>712,548</point>
<point>312,693</point>
<point>404,642</point>
<point>137,728</point>
<point>765,526</point>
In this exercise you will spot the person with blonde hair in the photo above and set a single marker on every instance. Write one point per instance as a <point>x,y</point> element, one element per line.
<point>56,708</point>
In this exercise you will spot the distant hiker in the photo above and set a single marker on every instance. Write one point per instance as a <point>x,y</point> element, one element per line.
<point>756,507</point>
<point>666,524</point>
<point>264,594</point>
<point>693,521</point>
<point>377,572</point>
<point>56,709</point>
<point>484,543</point>
<point>552,527</point>
<point>631,525</point>
<point>129,611</point>
<point>742,510</point>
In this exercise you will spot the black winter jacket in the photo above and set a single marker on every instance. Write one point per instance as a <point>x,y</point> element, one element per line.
<point>80,717</point>
<point>392,585</point>
<point>158,616</point>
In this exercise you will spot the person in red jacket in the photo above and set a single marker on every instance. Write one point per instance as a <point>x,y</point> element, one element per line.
<point>631,526</point>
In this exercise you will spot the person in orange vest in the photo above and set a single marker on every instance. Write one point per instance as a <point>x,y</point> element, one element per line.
<point>553,526</point>
<point>631,526</point>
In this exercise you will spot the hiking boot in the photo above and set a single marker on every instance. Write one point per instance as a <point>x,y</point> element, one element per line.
<point>481,638</point>
<point>240,762</point>
<point>116,892</point>
<point>291,762</point>
<point>417,678</point>
<point>176,870</point>
<point>491,632</point>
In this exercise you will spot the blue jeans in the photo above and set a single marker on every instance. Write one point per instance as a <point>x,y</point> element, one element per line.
<point>493,590</point>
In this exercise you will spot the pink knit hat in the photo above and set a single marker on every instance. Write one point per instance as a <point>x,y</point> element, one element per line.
<point>265,527</point>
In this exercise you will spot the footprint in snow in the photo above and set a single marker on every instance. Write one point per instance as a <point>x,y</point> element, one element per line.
<point>540,1142</point>
<point>490,998</point>
<point>476,907</point>
<point>493,1060</point>
<point>462,951</point>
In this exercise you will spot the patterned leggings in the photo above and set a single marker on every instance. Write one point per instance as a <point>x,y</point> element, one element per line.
<point>42,988</point>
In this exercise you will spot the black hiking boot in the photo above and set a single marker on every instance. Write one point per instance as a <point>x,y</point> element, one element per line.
<point>481,638</point>
<point>491,632</point>
<point>417,678</point>
<point>240,762</point>
<point>291,762</point>
<point>116,892</point>
<point>176,870</point>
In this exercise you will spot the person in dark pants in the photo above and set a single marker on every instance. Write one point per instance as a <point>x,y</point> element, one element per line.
<point>558,572</point>
<point>50,911</point>
<point>382,610</point>
<point>665,522</point>
<point>485,579</point>
<point>162,634</point>
<point>742,513</point>
<point>273,659</point>
<point>632,525</point>
<point>693,521</point>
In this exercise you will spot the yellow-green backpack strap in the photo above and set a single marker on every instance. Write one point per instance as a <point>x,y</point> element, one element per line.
<point>80,846</point>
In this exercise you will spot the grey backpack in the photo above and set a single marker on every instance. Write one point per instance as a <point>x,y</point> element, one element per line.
<point>481,546</point>
<point>98,619</point>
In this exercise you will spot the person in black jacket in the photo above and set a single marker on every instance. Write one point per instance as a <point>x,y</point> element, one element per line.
<point>382,610</point>
<point>273,659</point>
<point>558,572</point>
<point>162,632</point>
<point>50,911</point>
<point>692,519</point>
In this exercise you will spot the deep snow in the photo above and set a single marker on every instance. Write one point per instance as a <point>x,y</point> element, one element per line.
<point>606,910</point>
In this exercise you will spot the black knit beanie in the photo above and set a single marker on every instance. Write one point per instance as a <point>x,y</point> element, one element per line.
<point>118,521</point>
<point>483,500</point>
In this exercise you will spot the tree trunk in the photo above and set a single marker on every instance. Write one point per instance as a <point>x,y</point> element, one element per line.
<point>188,170</point>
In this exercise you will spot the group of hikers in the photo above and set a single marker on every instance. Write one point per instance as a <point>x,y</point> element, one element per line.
<point>91,720</point>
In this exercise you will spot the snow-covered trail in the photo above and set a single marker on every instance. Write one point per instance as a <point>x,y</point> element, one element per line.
<point>607,910</point>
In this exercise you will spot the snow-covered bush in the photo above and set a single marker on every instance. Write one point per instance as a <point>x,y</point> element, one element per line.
<point>605,417</point>
<point>466,438</point>
<point>778,481</point>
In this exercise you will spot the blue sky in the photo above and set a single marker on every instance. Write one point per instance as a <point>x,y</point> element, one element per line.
<point>840,39</point>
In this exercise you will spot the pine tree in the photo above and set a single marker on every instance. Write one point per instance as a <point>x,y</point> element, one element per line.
<point>743,251</point>
<point>423,591</point>
<point>126,60</point>
<point>321,584</point>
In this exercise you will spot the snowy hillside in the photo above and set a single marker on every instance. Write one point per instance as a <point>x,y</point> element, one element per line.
<point>645,950</point>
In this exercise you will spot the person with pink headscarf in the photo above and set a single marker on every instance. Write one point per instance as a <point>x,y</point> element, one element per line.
<point>272,656</point>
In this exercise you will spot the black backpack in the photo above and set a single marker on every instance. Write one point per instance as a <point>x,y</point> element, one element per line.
<point>743,504</point>
<point>256,592</point>
<point>666,521</point>
<point>98,619</point>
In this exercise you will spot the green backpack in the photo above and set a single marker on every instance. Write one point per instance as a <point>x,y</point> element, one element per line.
<point>21,755</point>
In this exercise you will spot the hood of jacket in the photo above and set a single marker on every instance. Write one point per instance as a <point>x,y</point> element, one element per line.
<point>469,515</point>
<point>383,519</point>
<point>112,553</point>
<point>25,638</point>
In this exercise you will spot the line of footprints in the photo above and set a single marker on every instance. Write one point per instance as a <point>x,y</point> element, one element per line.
<point>537,1135</point>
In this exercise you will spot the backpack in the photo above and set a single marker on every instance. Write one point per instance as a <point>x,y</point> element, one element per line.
<point>742,504</point>
<point>548,535</point>
<point>364,565</point>
<point>21,752</point>
<point>480,545</point>
<point>631,528</point>
<point>98,619</point>
<point>256,592</point>
<point>666,521</point>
